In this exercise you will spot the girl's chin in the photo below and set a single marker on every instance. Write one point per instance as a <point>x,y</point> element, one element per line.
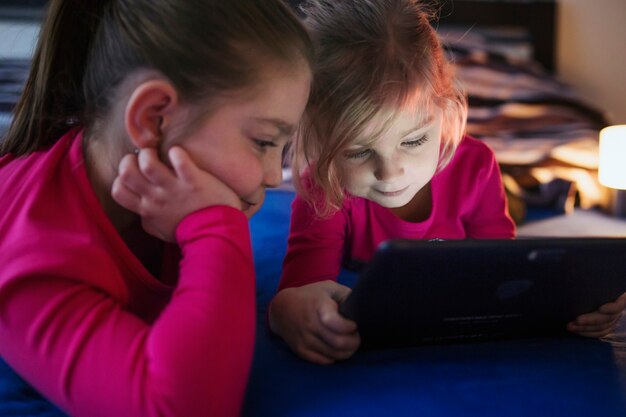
<point>390,203</point>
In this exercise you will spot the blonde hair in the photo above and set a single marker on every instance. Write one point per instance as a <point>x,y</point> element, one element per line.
<point>373,58</point>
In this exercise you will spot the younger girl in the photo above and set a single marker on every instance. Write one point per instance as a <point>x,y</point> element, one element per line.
<point>177,111</point>
<point>381,155</point>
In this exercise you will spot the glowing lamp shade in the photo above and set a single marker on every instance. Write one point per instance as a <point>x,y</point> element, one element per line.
<point>612,162</point>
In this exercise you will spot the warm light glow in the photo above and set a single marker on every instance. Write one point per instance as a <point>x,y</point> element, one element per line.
<point>612,163</point>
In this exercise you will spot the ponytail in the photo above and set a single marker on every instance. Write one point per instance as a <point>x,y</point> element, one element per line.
<point>52,98</point>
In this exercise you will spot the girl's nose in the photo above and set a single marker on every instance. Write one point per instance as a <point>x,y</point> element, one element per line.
<point>388,169</point>
<point>273,173</point>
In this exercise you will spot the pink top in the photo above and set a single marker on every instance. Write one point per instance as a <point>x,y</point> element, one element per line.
<point>88,326</point>
<point>468,201</point>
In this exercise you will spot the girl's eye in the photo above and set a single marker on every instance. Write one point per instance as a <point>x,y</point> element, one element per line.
<point>415,142</point>
<point>285,155</point>
<point>262,144</point>
<point>358,154</point>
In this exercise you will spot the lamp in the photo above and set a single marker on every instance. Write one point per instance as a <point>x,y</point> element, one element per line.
<point>612,165</point>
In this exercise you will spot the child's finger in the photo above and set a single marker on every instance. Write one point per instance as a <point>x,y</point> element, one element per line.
<point>594,334</point>
<point>329,316</point>
<point>339,292</point>
<point>310,346</point>
<point>124,196</point>
<point>596,319</point>
<point>183,165</point>
<point>130,175</point>
<point>614,307</point>
<point>590,331</point>
<point>341,346</point>
<point>594,324</point>
<point>152,168</point>
<point>313,354</point>
<point>317,343</point>
<point>576,328</point>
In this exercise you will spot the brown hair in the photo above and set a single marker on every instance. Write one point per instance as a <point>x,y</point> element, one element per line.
<point>373,59</point>
<point>87,47</point>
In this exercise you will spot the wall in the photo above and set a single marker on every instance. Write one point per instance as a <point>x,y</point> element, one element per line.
<point>591,47</point>
<point>17,38</point>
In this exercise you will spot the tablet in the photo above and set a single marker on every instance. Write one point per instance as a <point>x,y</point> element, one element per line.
<point>463,290</point>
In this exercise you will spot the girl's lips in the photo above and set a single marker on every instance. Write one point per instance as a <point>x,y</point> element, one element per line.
<point>392,193</point>
<point>252,202</point>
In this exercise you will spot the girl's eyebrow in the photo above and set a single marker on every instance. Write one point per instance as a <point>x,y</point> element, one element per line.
<point>366,142</point>
<point>285,128</point>
<point>425,126</point>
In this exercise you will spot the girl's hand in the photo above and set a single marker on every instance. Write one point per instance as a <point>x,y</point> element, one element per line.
<point>601,322</point>
<point>161,196</point>
<point>308,319</point>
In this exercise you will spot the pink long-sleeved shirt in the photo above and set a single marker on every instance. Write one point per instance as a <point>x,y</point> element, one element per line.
<point>88,326</point>
<point>468,201</point>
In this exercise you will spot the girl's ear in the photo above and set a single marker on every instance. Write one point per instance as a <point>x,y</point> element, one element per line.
<point>148,112</point>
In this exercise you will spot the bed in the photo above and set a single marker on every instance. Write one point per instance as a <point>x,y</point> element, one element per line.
<point>545,139</point>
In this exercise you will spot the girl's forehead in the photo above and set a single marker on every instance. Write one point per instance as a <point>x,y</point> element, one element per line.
<point>398,123</point>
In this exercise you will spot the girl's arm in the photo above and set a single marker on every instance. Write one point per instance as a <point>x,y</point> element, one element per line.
<point>83,347</point>
<point>69,325</point>
<point>490,217</point>
<point>315,246</point>
<point>305,311</point>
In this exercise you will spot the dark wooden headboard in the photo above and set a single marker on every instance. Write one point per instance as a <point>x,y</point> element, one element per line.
<point>31,10</point>
<point>538,17</point>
